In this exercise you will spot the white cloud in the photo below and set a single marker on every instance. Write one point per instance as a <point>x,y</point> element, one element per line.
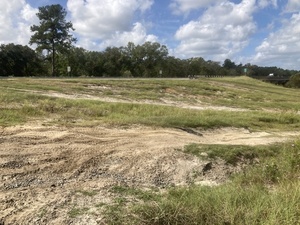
<point>97,25</point>
<point>185,6</point>
<point>265,3</point>
<point>109,23</point>
<point>8,14</point>
<point>95,20</point>
<point>28,18</point>
<point>282,47</point>
<point>222,31</point>
<point>15,19</point>
<point>137,35</point>
<point>292,6</point>
<point>29,14</point>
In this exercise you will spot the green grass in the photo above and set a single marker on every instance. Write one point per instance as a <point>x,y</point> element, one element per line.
<point>232,154</point>
<point>75,212</point>
<point>22,107</point>
<point>224,205</point>
<point>265,193</point>
<point>242,92</point>
<point>137,193</point>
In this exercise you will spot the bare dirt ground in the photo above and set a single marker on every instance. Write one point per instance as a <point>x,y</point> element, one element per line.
<point>45,170</point>
<point>50,173</point>
<point>163,102</point>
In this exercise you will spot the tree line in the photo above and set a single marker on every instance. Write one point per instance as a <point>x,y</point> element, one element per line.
<point>146,60</point>
<point>55,55</point>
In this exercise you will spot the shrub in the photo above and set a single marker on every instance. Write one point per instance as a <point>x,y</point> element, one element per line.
<point>294,81</point>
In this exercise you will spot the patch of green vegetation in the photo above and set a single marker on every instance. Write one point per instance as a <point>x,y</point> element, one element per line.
<point>280,169</point>
<point>116,215</point>
<point>21,107</point>
<point>229,204</point>
<point>75,212</point>
<point>242,92</point>
<point>265,193</point>
<point>254,94</point>
<point>294,81</point>
<point>232,154</point>
<point>42,213</point>
<point>119,211</point>
<point>10,117</point>
<point>100,205</point>
<point>137,193</point>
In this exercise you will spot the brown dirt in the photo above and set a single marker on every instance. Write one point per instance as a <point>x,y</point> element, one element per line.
<point>163,102</point>
<point>46,169</point>
<point>49,173</point>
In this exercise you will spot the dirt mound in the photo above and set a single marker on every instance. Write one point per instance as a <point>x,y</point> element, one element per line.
<point>44,171</point>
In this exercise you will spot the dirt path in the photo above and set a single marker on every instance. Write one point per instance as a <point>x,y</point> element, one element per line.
<point>45,171</point>
<point>162,102</point>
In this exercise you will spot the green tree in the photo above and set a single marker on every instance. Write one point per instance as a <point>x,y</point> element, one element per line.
<point>94,63</point>
<point>145,60</point>
<point>113,62</point>
<point>294,81</point>
<point>196,66</point>
<point>76,59</point>
<point>18,60</point>
<point>228,64</point>
<point>174,67</point>
<point>53,32</point>
<point>155,54</point>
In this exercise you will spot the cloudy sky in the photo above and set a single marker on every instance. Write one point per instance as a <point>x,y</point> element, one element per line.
<point>261,32</point>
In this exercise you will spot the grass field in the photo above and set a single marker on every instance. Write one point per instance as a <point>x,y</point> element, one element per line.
<point>265,106</point>
<point>266,192</point>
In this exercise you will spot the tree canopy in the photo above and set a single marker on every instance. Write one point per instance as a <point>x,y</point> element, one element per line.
<point>53,32</point>
<point>294,81</point>
<point>18,60</point>
<point>150,59</point>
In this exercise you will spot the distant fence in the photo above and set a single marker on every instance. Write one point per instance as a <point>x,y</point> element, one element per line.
<point>204,76</point>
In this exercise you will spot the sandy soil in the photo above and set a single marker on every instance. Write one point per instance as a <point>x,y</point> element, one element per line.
<point>162,102</point>
<point>44,170</point>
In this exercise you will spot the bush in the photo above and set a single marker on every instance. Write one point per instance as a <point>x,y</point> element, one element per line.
<point>294,81</point>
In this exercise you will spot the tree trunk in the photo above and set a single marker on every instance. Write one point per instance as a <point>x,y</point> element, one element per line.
<point>53,60</point>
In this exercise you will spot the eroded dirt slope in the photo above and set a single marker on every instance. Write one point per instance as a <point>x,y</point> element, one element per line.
<point>45,169</point>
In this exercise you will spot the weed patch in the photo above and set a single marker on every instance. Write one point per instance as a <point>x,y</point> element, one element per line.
<point>232,154</point>
<point>75,212</point>
<point>247,199</point>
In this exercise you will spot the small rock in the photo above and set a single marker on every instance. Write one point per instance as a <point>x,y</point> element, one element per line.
<point>204,154</point>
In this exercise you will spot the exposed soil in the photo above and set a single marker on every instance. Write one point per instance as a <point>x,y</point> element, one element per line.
<point>45,170</point>
<point>164,102</point>
<point>48,172</point>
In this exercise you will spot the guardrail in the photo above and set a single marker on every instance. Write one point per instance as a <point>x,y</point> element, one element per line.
<point>274,80</point>
<point>204,76</point>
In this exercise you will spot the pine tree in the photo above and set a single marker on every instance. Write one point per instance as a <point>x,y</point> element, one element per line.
<point>53,32</point>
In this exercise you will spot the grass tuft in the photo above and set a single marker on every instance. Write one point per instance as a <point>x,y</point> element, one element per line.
<point>268,193</point>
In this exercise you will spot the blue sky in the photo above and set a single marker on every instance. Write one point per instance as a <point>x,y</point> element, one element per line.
<point>260,32</point>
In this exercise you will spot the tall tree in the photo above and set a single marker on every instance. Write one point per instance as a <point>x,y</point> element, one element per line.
<point>18,60</point>
<point>53,32</point>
